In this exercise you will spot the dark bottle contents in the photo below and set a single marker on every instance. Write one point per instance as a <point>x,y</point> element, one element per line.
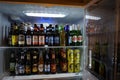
<point>15,35</point>
<point>63,65</point>
<point>79,36</point>
<point>50,36</point>
<point>47,62</point>
<point>35,61</point>
<point>35,35</point>
<point>28,36</point>
<point>41,62</point>
<point>53,67</point>
<point>74,35</point>
<point>28,63</point>
<point>21,63</point>
<point>41,35</point>
<point>10,35</point>
<point>56,36</point>
<point>21,36</point>
<point>66,28</point>
<point>12,63</point>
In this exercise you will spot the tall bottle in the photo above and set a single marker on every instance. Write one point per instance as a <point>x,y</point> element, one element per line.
<point>79,36</point>
<point>35,36</point>
<point>41,62</point>
<point>21,37</point>
<point>74,37</point>
<point>15,35</point>
<point>28,63</point>
<point>70,35</point>
<point>67,35</point>
<point>53,67</point>
<point>47,62</point>
<point>50,41</point>
<point>56,36</point>
<point>41,35</point>
<point>35,61</point>
<point>29,36</point>
<point>10,35</point>
<point>12,63</point>
<point>62,36</point>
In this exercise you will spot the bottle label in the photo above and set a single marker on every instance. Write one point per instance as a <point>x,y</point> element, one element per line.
<point>40,67</point>
<point>34,69</point>
<point>53,67</point>
<point>50,40</point>
<point>57,40</point>
<point>64,66</point>
<point>48,68</point>
<point>27,69</point>
<point>46,39</point>
<point>21,39</point>
<point>70,67</point>
<point>12,66</point>
<point>79,38</point>
<point>70,39</point>
<point>77,67</point>
<point>41,40</point>
<point>35,40</point>
<point>21,69</point>
<point>14,40</point>
<point>74,38</point>
<point>28,40</point>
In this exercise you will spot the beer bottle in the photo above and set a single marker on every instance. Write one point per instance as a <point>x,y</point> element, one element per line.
<point>35,61</point>
<point>21,37</point>
<point>67,35</point>
<point>15,35</point>
<point>28,63</point>
<point>12,63</point>
<point>35,35</point>
<point>47,35</point>
<point>41,35</point>
<point>10,35</point>
<point>50,41</point>
<point>79,36</point>
<point>53,67</point>
<point>64,65</point>
<point>74,37</point>
<point>21,62</point>
<point>29,36</point>
<point>41,62</point>
<point>62,36</point>
<point>47,62</point>
<point>56,36</point>
<point>70,36</point>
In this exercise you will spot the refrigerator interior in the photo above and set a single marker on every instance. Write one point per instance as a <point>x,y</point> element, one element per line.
<point>10,13</point>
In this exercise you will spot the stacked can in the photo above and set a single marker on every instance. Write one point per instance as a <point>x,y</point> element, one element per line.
<point>77,60</point>
<point>70,57</point>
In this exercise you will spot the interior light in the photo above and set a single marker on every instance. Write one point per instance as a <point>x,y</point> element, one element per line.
<point>92,17</point>
<point>45,15</point>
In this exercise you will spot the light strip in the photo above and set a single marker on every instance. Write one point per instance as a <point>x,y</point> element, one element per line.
<point>92,17</point>
<point>45,15</point>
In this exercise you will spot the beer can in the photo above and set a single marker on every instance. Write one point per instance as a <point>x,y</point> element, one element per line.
<point>70,55</point>
<point>77,67</point>
<point>77,55</point>
<point>70,67</point>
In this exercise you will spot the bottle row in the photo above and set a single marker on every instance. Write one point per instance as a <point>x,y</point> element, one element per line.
<point>51,35</point>
<point>44,61</point>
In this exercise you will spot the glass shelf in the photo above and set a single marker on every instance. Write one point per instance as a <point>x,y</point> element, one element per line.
<point>50,76</point>
<point>4,47</point>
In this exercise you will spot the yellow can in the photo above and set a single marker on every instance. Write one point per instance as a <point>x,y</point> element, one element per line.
<point>77,67</point>
<point>70,67</point>
<point>70,55</point>
<point>77,55</point>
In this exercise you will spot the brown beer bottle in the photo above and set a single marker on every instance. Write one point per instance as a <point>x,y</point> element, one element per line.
<point>41,35</point>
